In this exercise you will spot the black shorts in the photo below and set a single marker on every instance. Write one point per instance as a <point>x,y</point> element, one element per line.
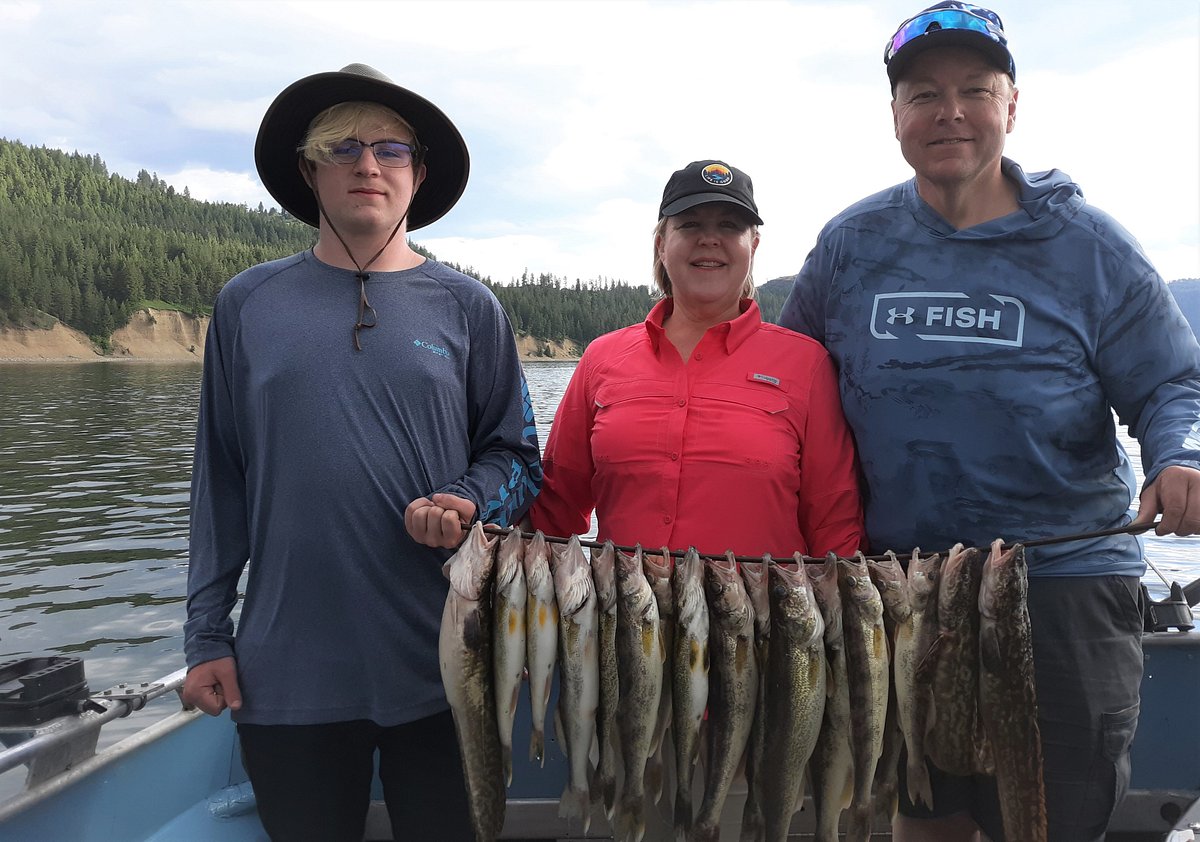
<point>313,782</point>
<point>1087,652</point>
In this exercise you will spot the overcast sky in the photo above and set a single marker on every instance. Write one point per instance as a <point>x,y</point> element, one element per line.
<point>577,112</point>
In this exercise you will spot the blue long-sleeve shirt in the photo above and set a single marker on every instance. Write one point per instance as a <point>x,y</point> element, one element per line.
<point>979,370</point>
<point>307,454</point>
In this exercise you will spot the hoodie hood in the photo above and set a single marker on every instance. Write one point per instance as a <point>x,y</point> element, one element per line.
<point>1048,200</point>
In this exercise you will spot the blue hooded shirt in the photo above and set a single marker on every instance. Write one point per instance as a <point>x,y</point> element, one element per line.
<point>980,370</point>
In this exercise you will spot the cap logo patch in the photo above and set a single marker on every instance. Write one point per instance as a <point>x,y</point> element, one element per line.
<point>717,174</point>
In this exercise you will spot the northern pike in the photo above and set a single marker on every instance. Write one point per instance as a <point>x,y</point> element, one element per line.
<point>755,576</point>
<point>952,739</point>
<point>795,693</point>
<point>689,680</point>
<point>578,674</point>
<point>508,640</point>
<point>831,766</point>
<point>923,577</point>
<point>1007,698</point>
<point>465,658</point>
<point>541,639</point>
<point>733,689</point>
<point>640,657</point>
<point>658,574</point>
<point>869,676</point>
<point>892,583</point>
<point>605,578</point>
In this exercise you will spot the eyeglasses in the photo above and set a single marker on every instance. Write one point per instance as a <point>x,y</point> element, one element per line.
<point>388,153</point>
<point>965,17</point>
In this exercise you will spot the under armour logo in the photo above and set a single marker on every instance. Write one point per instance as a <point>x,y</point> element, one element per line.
<point>896,313</point>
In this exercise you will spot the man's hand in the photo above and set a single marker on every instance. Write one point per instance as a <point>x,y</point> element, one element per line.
<point>1175,493</point>
<point>213,686</point>
<point>440,522</point>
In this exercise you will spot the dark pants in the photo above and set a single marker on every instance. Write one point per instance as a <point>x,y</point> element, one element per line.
<point>313,782</point>
<point>1087,651</point>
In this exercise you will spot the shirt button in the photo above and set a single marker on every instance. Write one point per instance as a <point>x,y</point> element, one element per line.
<point>666,518</point>
<point>683,402</point>
<point>674,456</point>
<point>699,356</point>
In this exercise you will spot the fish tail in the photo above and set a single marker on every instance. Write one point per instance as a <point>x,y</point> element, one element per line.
<point>706,833</point>
<point>506,762</point>
<point>631,818</point>
<point>752,819</point>
<point>859,827</point>
<point>683,815</point>
<point>576,804</point>
<point>920,790</point>
<point>537,747</point>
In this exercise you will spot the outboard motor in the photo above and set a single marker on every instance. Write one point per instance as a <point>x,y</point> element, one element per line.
<point>41,696</point>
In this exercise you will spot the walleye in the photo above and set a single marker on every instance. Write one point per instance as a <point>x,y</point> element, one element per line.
<point>831,766</point>
<point>508,639</point>
<point>755,578</point>
<point>923,577</point>
<point>868,673</point>
<point>733,689</point>
<point>1007,699</point>
<point>951,742</point>
<point>689,679</point>
<point>795,693</point>
<point>889,578</point>
<point>579,673</point>
<point>541,639</point>
<point>605,579</point>
<point>658,574</point>
<point>640,656</point>
<point>465,658</point>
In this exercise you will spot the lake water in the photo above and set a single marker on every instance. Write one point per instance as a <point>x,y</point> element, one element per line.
<point>94,467</point>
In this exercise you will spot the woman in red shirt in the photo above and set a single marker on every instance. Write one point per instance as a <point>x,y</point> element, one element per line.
<point>704,426</point>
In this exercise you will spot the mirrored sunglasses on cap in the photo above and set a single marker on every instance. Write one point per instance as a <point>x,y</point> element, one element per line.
<point>964,17</point>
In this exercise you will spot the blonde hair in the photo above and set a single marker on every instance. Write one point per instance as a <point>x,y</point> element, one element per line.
<point>663,282</point>
<point>338,122</point>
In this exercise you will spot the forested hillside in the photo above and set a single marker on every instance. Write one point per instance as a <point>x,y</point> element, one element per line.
<point>89,247</point>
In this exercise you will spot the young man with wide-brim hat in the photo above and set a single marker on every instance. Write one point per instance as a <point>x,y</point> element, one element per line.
<point>987,323</point>
<point>360,404</point>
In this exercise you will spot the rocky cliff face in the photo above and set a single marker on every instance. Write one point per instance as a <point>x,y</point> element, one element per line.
<point>157,335</point>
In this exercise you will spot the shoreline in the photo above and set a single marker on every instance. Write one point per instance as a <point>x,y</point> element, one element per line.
<point>169,336</point>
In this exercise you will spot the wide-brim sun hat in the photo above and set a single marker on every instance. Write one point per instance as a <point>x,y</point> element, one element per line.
<point>287,119</point>
<point>948,24</point>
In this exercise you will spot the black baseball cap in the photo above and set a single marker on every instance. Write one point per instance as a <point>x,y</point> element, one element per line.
<point>701,182</point>
<point>948,24</point>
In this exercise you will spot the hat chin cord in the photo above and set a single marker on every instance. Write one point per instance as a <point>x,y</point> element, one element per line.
<point>362,274</point>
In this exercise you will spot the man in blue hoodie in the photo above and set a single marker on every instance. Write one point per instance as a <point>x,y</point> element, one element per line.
<point>986,323</point>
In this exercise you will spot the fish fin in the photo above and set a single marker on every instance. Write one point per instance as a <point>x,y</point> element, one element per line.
<point>576,804</point>
<point>558,727</point>
<point>506,762</point>
<point>537,747</point>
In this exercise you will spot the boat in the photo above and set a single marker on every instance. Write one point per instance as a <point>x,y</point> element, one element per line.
<point>180,778</point>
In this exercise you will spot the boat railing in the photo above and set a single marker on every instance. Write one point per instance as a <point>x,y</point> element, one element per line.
<point>62,742</point>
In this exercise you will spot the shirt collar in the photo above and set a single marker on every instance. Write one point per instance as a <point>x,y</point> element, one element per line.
<point>734,332</point>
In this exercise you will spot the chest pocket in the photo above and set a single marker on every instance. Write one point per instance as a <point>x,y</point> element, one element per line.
<point>630,390</point>
<point>765,399</point>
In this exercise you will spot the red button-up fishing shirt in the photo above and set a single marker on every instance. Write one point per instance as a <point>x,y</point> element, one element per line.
<point>742,448</point>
